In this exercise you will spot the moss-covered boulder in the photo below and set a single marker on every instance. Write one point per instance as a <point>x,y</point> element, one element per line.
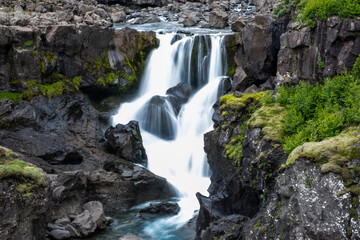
<point>24,198</point>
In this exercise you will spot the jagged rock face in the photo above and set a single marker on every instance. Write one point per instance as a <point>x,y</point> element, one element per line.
<point>325,51</point>
<point>258,45</point>
<point>55,134</point>
<point>127,186</point>
<point>22,217</point>
<point>103,59</point>
<point>126,141</point>
<point>305,205</point>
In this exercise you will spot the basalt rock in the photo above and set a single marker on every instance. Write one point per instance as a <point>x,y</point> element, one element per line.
<point>116,190</point>
<point>155,210</point>
<point>126,141</point>
<point>64,131</point>
<point>258,45</point>
<point>325,51</point>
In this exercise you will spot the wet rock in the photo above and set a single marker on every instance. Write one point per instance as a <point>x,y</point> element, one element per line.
<point>126,141</point>
<point>157,116</point>
<point>130,236</point>
<point>155,210</point>
<point>181,91</point>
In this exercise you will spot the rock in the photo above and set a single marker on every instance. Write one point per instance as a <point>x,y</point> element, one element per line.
<point>73,232</point>
<point>118,17</point>
<point>63,221</point>
<point>182,91</point>
<point>126,141</point>
<point>154,210</point>
<point>59,234</point>
<point>240,80</point>
<point>218,19</point>
<point>97,213</point>
<point>130,236</point>
<point>325,51</point>
<point>121,189</point>
<point>84,224</point>
<point>238,25</point>
<point>259,46</point>
<point>228,227</point>
<point>252,89</point>
<point>157,116</point>
<point>24,213</point>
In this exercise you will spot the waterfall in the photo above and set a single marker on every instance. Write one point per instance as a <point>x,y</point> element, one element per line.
<point>173,138</point>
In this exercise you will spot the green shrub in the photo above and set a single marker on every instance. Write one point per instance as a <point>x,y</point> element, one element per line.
<point>311,10</point>
<point>314,113</point>
<point>29,43</point>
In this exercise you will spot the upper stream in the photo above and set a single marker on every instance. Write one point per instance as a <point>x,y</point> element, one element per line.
<point>173,138</point>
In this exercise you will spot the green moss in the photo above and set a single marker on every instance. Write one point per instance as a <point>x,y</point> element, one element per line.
<point>231,102</point>
<point>29,43</point>
<point>10,95</point>
<point>52,90</point>
<point>28,176</point>
<point>333,152</point>
<point>270,118</point>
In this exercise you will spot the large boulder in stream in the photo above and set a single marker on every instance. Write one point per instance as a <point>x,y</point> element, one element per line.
<point>126,141</point>
<point>182,92</point>
<point>157,116</point>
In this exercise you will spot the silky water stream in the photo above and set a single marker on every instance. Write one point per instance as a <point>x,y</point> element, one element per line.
<point>174,141</point>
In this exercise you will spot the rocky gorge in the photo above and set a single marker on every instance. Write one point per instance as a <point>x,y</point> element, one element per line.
<point>65,67</point>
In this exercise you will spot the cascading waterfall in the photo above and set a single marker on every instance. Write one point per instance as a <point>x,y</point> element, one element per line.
<point>174,140</point>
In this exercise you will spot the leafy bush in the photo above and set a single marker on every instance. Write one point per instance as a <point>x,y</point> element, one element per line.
<point>321,111</point>
<point>310,10</point>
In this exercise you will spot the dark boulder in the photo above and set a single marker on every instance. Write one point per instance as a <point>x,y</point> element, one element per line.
<point>157,116</point>
<point>327,50</point>
<point>115,190</point>
<point>182,92</point>
<point>126,141</point>
<point>159,209</point>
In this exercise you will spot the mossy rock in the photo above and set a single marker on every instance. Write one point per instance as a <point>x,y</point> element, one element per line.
<point>231,102</point>
<point>28,176</point>
<point>270,118</point>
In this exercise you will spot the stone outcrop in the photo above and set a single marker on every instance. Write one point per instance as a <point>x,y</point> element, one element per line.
<point>124,187</point>
<point>325,51</point>
<point>126,141</point>
<point>47,72</point>
<point>159,209</point>
<point>257,47</point>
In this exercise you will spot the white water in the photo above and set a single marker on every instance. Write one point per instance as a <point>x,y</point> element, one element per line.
<point>181,161</point>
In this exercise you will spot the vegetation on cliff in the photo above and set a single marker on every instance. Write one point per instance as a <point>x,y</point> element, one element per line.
<point>311,10</point>
<point>28,176</point>
<point>324,110</point>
